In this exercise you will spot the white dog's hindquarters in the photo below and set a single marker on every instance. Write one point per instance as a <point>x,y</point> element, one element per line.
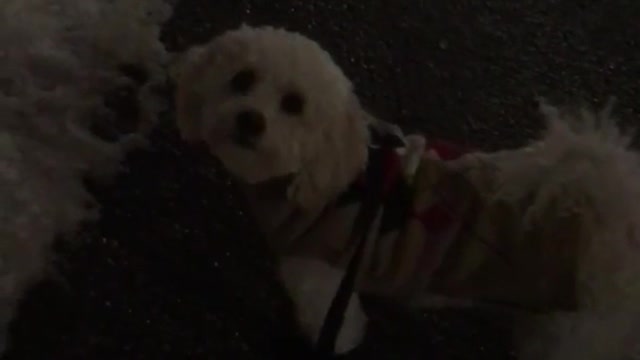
<point>578,192</point>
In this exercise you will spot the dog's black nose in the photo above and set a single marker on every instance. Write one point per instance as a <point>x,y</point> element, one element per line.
<point>250,124</point>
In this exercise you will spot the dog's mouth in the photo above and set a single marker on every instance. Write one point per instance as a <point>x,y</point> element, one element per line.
<point>278,182</point>
<point>245,142</point>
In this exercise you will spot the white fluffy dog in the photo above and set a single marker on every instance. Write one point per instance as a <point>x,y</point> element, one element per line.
<point>551,229</point>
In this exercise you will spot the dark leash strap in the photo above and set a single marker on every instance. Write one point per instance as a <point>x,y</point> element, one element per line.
<point>335,316</point>
<point>369,209</point>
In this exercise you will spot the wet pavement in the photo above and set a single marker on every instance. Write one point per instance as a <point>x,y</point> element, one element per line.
<point>174,269</point>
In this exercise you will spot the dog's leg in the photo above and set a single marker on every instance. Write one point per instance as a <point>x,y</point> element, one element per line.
<point>312,285</point>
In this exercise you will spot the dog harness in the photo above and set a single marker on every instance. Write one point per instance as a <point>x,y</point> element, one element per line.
<point>416,200</point>
<point>389,179</point>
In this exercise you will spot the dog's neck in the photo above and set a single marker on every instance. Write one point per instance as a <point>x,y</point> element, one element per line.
<point>269,203</point>
<point>283,221</point>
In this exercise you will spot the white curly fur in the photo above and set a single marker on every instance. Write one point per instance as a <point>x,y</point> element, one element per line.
<point>57,60</point>
<point>585,162</point>
<point>581,163</point>
<point>332,122</point>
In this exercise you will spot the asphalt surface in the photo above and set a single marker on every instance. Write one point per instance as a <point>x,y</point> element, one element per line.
<point>174,268</point>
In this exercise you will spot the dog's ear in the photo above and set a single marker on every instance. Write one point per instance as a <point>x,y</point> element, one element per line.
<point>186,71</point>
<point>335,160</point>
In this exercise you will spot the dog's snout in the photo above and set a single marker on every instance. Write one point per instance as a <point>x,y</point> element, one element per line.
<point>250,123</point>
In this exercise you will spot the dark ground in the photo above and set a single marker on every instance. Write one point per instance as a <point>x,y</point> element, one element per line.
<point>174,270</point>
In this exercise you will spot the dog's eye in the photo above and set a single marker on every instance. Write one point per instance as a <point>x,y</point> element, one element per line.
<point>292,103</point>
<point>242,81</point>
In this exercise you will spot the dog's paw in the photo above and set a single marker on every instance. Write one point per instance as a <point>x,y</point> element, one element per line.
<point>312,285</point>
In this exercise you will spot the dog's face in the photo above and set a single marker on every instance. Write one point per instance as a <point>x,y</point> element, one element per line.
<point>270,103</point>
